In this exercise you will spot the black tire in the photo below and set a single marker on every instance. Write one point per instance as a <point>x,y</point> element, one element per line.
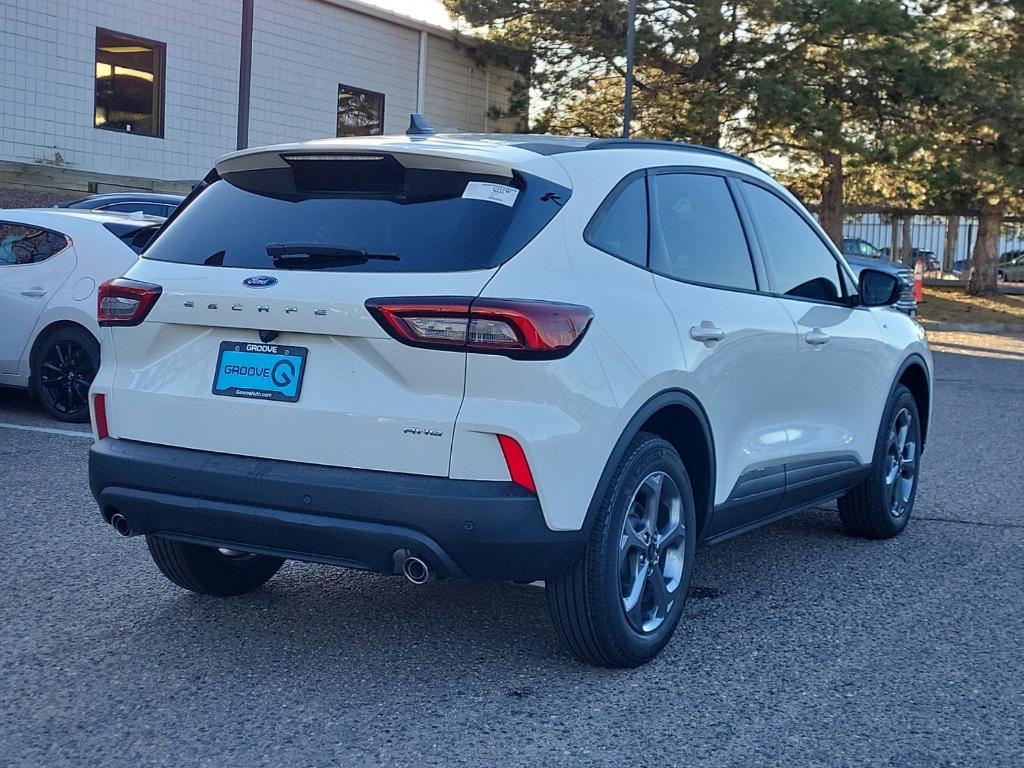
<point>876,509</point>
<point>63,367</point>
<point>587,603</point>
<point>208,570</point>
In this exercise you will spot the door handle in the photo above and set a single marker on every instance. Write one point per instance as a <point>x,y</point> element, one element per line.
<point>34,292</point>
<point>817,337</point>
<point>706,332</point>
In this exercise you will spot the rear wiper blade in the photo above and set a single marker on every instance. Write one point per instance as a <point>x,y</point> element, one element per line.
<point>285,255</point>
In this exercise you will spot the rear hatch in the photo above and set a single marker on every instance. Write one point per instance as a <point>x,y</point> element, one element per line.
<point>260,343</point>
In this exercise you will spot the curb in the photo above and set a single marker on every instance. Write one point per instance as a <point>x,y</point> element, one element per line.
<point>974,327</point>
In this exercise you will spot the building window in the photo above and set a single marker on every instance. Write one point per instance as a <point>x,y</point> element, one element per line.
<point>360,113</point>
<point>129,84</point>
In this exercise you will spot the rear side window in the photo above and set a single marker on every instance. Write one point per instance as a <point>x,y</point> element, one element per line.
<point>365,214</point>
<point>620,225</point>
<point>20,244</point>
<point>801,264</point>
<point>697,235</point>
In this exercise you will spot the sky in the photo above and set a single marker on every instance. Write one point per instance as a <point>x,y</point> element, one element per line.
<point>425,10</point>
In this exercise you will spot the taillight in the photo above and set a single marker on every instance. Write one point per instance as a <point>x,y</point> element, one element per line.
<point>516,328</point>
<point>99,409</point>
<point>125,302</point>
<point>515,459</point>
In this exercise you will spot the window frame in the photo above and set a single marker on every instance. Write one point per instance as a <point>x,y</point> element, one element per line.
<point>367,91</point>
<point>848,285</point>
<point>755,242</point>
<point>67,241</point>
<point>606,204</point>
<point>159,78</point>
<point>753,253</point>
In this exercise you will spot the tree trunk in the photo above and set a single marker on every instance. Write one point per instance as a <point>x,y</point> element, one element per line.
<point>985,260</point>
<point>949,248</point>
<point>894,239</point>
<point>705,102</point>
<point>905,246</point>
<point>831,213</point>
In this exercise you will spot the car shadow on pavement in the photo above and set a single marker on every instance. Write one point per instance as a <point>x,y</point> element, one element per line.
<point>312,618</point>
<point>15,401</point>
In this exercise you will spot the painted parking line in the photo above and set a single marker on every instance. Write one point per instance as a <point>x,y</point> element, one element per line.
<point>48,430</point>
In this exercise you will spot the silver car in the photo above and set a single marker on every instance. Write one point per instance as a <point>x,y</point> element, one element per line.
<point>1011,269</point>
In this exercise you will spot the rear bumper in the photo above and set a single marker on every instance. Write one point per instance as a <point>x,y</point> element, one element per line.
<point>356,518</point>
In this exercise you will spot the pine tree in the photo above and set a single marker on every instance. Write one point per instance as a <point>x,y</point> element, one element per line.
<point>690,62</point>
<point>978,132</point>
<point>837,89</point>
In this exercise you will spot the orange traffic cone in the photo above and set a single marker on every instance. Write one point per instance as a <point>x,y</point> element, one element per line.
<point>919,280</point>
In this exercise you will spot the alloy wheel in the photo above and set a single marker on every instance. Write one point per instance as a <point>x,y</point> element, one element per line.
<point>66,373</point>
<point>901,464</point>
<point>652,551</point>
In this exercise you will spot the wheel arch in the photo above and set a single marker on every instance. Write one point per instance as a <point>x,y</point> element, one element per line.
<point>45,332</point>
<point>913,374</point>
<point>676,416</point>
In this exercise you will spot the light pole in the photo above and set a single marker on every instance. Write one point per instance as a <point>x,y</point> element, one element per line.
<point>627,110</point>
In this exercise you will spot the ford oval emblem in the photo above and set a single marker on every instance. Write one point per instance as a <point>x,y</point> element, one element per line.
<point>260,281</point>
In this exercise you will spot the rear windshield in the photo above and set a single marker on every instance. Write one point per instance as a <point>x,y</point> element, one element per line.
<point>358,215</point>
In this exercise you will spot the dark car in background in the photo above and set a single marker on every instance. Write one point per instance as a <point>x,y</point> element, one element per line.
<point>860,254</point>
<point>149,203</point>
<point>931,262</point>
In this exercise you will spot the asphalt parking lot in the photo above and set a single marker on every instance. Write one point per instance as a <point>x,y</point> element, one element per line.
<point>801,647</point>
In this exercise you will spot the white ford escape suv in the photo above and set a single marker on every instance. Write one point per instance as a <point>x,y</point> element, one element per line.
<point>498,357</point>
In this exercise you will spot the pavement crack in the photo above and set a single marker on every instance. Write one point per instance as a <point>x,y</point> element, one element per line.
<point>969,522</point>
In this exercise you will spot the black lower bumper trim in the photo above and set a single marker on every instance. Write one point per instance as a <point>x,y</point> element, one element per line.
<point>356,518</point>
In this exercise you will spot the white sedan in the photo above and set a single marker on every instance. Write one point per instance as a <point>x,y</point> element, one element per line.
<point>51,262</point>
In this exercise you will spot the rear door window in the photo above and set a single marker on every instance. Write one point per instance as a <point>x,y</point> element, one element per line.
<point>367,215</point>
<point>697,235</point>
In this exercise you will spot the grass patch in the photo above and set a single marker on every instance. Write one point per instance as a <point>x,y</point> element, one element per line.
<point>954,305</point>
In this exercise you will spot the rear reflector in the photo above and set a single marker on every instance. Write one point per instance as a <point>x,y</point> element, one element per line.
<point>518,468</point>
<point>99,409</point>
<point>125,302</point>
<point>515,328</point>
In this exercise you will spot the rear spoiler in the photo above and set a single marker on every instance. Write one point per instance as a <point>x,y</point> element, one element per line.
<point>280,158</point>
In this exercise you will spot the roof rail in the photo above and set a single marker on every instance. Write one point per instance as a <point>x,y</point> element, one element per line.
<point>664,144</point>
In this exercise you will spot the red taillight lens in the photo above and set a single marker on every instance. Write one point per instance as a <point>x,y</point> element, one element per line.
<point>516,328</point>
<point>125,302</point>
<point>515,458</point>
<point>99,408</point>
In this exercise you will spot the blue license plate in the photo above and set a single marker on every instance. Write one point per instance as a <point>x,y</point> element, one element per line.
<point>259,371</point>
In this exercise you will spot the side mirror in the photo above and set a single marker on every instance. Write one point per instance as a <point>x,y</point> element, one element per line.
<point>878,289</point>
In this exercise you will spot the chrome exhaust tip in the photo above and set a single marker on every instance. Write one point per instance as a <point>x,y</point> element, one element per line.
<point>120,524</point>
<point>416,570</point>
